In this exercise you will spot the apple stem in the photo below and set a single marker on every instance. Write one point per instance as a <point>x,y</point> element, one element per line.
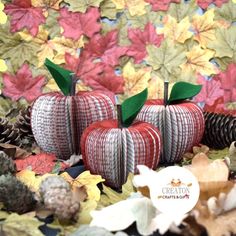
<point>166,85</point>
<point>119,112</point>
<point>74,80</point>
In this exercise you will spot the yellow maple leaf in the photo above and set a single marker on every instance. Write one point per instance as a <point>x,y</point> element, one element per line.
<point>3,17</point>
<point>135,80</point>
<point>87,180</point>
<point>234,1</point>
<point>198,61</point>
<point>178,32</point>
<point>46,3</point>
<point>135,7</point>
<point>204,27</point>
<point>30,179</point>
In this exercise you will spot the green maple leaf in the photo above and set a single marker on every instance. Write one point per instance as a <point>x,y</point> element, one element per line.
<point>166,59</point>
<point>225,46</point>
<point>52,23</point>
<point>82,5</point>
<point>17,50</point>
<point>108,9</point>
<point>180,10</point>
<point>227,12</point>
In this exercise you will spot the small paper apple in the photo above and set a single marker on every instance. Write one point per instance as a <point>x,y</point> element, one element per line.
<point>113,148</point>
<point>180,122</point>
<point>58,120</point>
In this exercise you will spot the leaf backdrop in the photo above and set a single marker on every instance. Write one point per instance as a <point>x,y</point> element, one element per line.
<point>120,46</point>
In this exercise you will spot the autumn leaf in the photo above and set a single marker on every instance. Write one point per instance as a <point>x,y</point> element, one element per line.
<point>228,83</point>
<point>225,45</point>
<point>135,80</point>
<point>178,32</point>
<point>87,180</point>
<point>16,50</point>
<point>46,3</point>
<point>3,17</point>
<point>140,39</point>
<point>108,81</point>
<point>22,225</point>
<point>29,178</point>
<point>22,84</point>
<point>3,66</point>
<point>82,5</point>
<point>163,5</point>
<point>85,210</point>
<point>166,58</point>
<point>210,92</point>
<point>135,7</point>
<point>108,9</point>
<point>198,61</point>
<point>84,67</point>
<point>204,28</point>
<point>77,24</point>
<point>205,3</point>
<point>40,163</point>
<point>105,48</point>
<point>24,15</point>
<point>227,13</point>
<point>52,25</point>
<point>182,10</point>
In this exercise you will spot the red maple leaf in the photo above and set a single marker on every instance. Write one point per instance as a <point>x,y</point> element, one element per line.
<point>77,24</point>
<point>83,66</point>
<point>105,48</point>
<point>161,5</point>
<point>41,163</point>
<point>140,39</point>
<point>108,81</point>
<point>22,84</point>
<point>228,83</point>
<point>205,3</point>
<point>211,91</point>
<point>24,15</point>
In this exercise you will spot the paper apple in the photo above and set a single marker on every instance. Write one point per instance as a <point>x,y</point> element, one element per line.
<point>58,120</point>
<point>180,122</point>
<point>113,148</point>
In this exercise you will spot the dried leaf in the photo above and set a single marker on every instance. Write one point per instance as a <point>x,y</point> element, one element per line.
<point>108,9</point>
<point>161,5</point>
<point>51,23</point>
<point>3,66</point>
<point>198,61</point>
<point>178,32</point>
<point>206,170</point>
<point>46,3</point>
<point>204,28</point>
<point>204,4</point>
<point>87,180</point>
<point>19,153</point>
<point>21,225</point>
<point>3,17</point>
<point>85,210</point>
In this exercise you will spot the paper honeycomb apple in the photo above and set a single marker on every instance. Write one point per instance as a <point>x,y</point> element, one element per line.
<point>113,148</point>
<point>180,122</point>
<point>58,120</point>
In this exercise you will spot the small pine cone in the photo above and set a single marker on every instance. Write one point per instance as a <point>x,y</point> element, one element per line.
<point>220,130</point>
<point>8,133</point>
<point>57,196</point>
<point>23,124</point>
<point>7,165</point>
<point>15,196</point>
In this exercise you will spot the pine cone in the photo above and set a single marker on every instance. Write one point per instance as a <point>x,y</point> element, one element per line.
<point>220,130</point>
<point>24,125</point>
<point>15,196</point>
<point>57,197</point>
<point>7,165</point>
<point>8,133</point>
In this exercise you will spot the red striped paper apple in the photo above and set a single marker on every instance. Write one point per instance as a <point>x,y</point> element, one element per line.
<point>58,120</point>
<point>113,148</point>
<point>180,122</point>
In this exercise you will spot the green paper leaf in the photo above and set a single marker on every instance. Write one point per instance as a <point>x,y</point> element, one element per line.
<point>60,75</point>
<point>183,90</point>
<point>131,107</point>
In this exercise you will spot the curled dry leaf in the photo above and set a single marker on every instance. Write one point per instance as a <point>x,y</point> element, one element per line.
<point>206,170</point>
<point>19,153</point>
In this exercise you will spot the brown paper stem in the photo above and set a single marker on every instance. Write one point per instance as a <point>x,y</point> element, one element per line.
<point>166,85</point>
<point>73,84</point>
